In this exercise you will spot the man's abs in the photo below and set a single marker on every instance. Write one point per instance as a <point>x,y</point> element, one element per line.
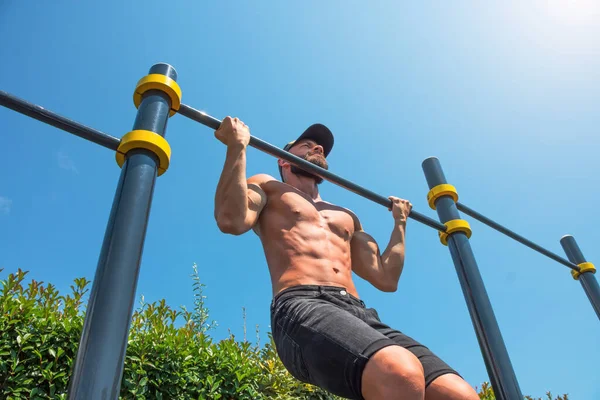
<point>308,271</point>
<point>305,242</point>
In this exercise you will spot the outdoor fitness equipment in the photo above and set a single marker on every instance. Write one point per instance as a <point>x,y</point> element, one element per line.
<point>143,154</point>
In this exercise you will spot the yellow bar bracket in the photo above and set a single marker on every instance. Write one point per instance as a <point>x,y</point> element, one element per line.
<point>583,267</point>
<point>162,83</point>
<point>141,139</point>
<point>439,191</point>
<point>453,226</point>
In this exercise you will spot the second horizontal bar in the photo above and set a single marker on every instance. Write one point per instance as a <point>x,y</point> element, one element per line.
<point>515,236</point>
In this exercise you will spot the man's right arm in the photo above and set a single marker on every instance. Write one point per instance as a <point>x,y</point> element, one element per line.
<point>238,202</point>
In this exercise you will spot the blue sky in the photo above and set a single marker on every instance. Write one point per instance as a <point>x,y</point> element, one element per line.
<point>505,95</point>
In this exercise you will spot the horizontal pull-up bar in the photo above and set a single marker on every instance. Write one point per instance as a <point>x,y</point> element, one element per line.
<point>515,236</point>
<point>214,123</point>
<point>41,114</point>
<point>259,144</point>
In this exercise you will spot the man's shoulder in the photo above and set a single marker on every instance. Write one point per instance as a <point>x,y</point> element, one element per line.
<point>357,224</point>
<point>260,179</point>
<point>265,183</point>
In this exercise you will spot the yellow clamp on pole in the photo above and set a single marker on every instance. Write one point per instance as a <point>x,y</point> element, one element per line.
<point>583,267</point>
<point>452,226</point>
<point>439,191</point>
<point>158,82</point>
<point>141,139</point>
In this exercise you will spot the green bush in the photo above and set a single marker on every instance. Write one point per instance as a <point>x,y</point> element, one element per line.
<point>170,353</point>
<point>486,393</point>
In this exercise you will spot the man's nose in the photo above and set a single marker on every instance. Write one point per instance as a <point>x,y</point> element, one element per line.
<point>318,148</point>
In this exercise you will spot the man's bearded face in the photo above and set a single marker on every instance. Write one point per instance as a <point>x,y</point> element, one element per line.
<point>313,156</point>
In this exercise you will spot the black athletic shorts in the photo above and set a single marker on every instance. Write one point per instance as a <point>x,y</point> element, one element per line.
<point>324,336</point>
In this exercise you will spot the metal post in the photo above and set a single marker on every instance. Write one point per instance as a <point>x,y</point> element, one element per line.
<point>493,349</point>
<point>98,368</point>
<point>586,277</point>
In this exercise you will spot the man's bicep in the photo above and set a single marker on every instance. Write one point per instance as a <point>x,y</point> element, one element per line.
<point>363,248</point>
<point>257,198</point>
<point>366,258</point>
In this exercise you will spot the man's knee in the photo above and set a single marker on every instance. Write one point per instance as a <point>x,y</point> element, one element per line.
<point>393,372</point>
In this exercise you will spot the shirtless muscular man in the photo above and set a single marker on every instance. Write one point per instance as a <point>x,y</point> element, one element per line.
<point>324,333</point>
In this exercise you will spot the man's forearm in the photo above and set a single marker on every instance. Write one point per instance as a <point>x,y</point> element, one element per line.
<point>392,259</point>
<point>231,198</point>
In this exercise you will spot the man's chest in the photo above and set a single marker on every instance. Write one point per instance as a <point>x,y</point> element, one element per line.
<point>293,208</point>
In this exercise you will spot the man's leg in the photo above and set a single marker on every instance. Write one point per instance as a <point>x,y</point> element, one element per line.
<point>393,373</point>
<point>396,373</point>
<point>450,387</point>
<point>441,381</point>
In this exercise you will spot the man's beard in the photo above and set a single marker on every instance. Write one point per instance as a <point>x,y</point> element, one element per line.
<point>316,159</point>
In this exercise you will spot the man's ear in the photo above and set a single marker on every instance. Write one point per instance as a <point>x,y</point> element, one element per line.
<point>281,162</point>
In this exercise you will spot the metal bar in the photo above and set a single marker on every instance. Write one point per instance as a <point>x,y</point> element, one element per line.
<point>268,148</point>
<point>587,279</point>
<point>493,349</point>
<point>41,114</point>
<point>99,365</point>
<point>515,236</point>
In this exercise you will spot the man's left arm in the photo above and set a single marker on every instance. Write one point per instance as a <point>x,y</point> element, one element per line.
<point>381,270</point>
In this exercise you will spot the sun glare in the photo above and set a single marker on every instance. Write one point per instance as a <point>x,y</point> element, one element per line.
<point>574,12</point>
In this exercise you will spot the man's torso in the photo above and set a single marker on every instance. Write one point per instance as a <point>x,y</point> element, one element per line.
<point>305,242</point>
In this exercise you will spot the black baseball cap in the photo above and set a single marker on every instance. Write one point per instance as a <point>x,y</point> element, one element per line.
<point>317,132</point>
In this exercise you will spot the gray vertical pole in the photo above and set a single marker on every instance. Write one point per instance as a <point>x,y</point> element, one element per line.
<point>587,279</point>
<point>493,349</point>
<point>98,368</point>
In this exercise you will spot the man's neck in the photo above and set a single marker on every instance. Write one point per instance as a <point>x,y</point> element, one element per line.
<point>306,185</point>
